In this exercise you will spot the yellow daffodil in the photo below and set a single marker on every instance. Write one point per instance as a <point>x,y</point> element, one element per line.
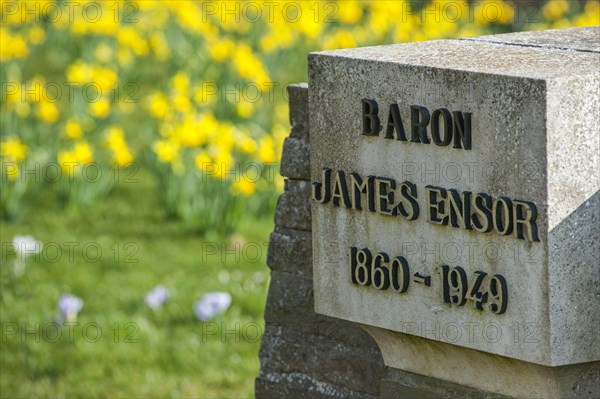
<point>226,140</point>
<point>208,124</point>
<point>79,72</point>
<point>350,12</point>
<point>182,103</point>
<point>68,163</point>
<point>36,35</point>
<point>281,36</point>
<point>247,145</point>
<point>189,134</point>
<point>48,112</point>
<point>13,149</point>
<point>13,46</point>
<point>181,82</point>
<point>12,92</point>
<point>591,16</point>
<point>83,153</point>
<point>310,26</point>
<point>555,9</point>
<point>166,150</point>
<point>341,39</point>
<point>247,64</point>
<point>279,183</point>
<point>104,78</point>
<point>158,105</point>
<point>225,164</point>
<point>244,186</point>
<point>73,160</point>
<point>266,151</point>
<point>100,109</point>
<point>130,38</point>
<point>221,49</point>
<point>202,161</point>
<point>115,139</point>
<point>73,129</point>
<point>245,109</point>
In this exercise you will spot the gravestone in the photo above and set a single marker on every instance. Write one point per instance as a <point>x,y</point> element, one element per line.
<point>455,197</point>
<point>454,191</point>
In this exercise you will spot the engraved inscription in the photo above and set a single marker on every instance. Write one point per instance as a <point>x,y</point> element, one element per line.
<point>382,272</point>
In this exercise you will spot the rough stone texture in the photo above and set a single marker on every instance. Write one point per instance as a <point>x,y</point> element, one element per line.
<point>581,39</point>
<point>288,244</point>
<point>295,160</point>
<point>303,354</point>
<point>294,308</point>
<point>293,210</point>
<point>284,304</point>
<point>535,138</point>
<point>574,218</point>
<point>456,55</point>
<point>298,97</point>
<point>278,385</point>
<point>323,358</point>
<point>414,386</point>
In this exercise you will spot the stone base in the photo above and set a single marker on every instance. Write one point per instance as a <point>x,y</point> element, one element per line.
<point>401,384</point>
<point>454,369</point>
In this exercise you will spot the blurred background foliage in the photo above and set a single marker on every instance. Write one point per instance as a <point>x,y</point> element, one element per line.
<point>194,91</point>
<point>158,126</point>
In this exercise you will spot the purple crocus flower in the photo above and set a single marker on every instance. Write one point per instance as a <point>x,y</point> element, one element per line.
<point>69,306</point>
<point>157,297</point>
<point>212,304</point>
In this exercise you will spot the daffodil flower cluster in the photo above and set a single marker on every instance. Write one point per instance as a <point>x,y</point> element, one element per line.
<point>194,90</point>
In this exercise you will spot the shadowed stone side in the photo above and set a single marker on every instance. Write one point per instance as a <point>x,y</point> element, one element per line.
<point>293,206</point>
<point>302,354</point>
<point>288,244</point>
<point>295,151</point>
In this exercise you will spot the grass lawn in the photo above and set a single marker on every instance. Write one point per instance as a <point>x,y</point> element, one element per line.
<point>110,256</point>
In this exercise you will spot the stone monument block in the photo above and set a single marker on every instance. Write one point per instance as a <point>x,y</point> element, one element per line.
<point>455,193</point>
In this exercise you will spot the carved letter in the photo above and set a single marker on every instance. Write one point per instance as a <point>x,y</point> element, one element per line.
<point>524,216</point>
<point>462,129</point>
<point>435,127</point>
<point>321,191</point>
<point>419,119</point>
<point>340,190</point>
<point>395,124</point>
<point>482,219</point>
<point>408,191</point>
<point>370,119</point>
<point>437,212</point>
